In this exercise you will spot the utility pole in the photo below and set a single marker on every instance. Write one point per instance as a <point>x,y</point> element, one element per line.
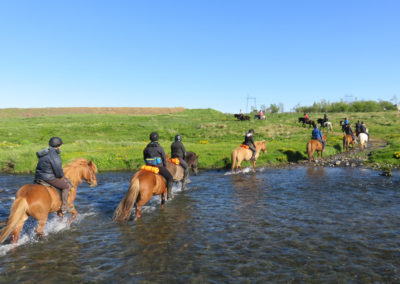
<point>251,99</point>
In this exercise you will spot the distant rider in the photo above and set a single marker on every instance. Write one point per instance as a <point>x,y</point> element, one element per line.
<point>49,169</point>
<point>325,118</point>
<point>179,151</point>
<point>306,117</point>
<point>358,127</point>
<point>348,130</point>
<point>154,155</point>
<point>249,141</point>
<point>363,129</point>
<point>317,135</point>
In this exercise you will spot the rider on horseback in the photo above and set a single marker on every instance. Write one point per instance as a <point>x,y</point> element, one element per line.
<point>349,131</point>
<point>306,118</point>
<point>363,129</point>
<point>179,151</point>
<point>325,118</point>
<point>154,155</point>
<point>317,135</point>
<point>49,169</point>
<point>249,141</point>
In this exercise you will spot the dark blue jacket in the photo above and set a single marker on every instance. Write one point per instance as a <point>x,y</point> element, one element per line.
<point>49,165</point>
<point>316,134</point>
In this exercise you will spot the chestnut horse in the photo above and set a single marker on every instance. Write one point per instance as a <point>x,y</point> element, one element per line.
<point>242,154</point>
<point>38,201</point>
<point>347,141</point>
<point>315,145</point>
<point>143,186</point>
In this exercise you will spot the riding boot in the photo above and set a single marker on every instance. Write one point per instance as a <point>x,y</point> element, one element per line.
<point>169,190</point>
<point>253,156</point>
<point>185,176</point>
<point>64,197</point>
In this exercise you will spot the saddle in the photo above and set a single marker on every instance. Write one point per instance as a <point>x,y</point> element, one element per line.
<point>244,146</point>
<point>42,182</point>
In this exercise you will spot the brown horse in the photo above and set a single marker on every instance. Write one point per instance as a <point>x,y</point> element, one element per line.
<point>315,145</point>
<point>347,141</point>
<point>38,201</point>
<point>241,154</point>
<point>142,187</point>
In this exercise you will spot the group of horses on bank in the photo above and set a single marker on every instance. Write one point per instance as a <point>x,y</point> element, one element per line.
<point>37,200</point>
<point>320,121</point>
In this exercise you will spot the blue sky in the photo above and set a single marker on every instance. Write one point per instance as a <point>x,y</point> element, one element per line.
<point>197,53</point>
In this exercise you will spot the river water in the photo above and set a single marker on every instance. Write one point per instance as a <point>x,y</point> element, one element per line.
<point>278,225</point>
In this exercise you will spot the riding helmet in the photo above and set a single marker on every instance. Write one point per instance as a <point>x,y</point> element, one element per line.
<point>178,138</point>
<point>154,136</point>
<point>251,130</point>
<point>55,142</point>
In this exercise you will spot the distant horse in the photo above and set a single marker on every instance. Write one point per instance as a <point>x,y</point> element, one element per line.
<point>315,145</point>
<point>262,117</point>
<point>38,201</point>
<point>306,121</point>
<point>241,154</point>
<point>142,187</point>
<point>328,124</point>
<point>192,161</point>
<point>321,121</point>
<point>302,120</point>
<point>242,117</point>
<point>363,138</point>
<point>347,141</point>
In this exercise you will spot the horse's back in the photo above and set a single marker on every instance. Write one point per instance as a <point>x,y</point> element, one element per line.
<point>150,182</point>
<point>33,191</point>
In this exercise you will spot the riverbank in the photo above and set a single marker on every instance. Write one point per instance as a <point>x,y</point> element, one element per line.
<point>115,141</point>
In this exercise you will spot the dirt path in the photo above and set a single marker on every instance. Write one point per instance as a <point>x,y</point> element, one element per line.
<point>355,157</point>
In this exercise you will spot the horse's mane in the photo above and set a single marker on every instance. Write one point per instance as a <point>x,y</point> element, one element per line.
<point>73,170</point>
<point>191,157</point>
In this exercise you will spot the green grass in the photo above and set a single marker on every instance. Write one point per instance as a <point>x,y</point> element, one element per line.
<point>116,142</point>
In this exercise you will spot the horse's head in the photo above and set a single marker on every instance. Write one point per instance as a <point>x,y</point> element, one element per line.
<point>81,169</point>
<point>261,146</point>
<point>192,161</point>
<point>90,175</point>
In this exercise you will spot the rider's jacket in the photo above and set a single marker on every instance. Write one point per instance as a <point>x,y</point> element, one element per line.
<point>346,121</point>
<point>316,134</point>
<point>154,154</point>
<point>363,128</point>
<point>248,139</point>
<point>49,165</point>
<point>348,130</point>
<point>178,150</point>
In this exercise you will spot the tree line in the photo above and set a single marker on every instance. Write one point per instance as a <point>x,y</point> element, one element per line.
<point>356,106</point>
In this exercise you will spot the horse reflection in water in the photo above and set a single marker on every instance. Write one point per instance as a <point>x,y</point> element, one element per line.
<point>38,201</point>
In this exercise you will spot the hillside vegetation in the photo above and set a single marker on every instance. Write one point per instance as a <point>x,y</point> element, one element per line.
<point>116,141</point>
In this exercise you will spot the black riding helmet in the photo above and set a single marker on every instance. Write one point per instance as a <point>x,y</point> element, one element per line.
<point>154,136</point>
<point>251,130</point>
<point>178,138</point>
<point>55,142</point>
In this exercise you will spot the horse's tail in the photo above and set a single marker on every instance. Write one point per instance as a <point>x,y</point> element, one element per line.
<point>124,209</point>
<point>18,209</point>
<point>233,158</point>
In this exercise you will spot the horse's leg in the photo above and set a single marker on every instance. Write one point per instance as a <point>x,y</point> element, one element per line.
<point>40,227</point>
<point>139,204</point>
<point>163,200</point>
<point>73,216</point>
<point>15,233</point>
<point>254,166</point>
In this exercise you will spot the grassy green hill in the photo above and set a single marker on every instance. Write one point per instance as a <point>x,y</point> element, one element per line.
<point>116,141</point>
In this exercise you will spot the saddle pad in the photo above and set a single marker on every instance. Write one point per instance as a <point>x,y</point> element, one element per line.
<point>174,161</point>
<point>151,169</point>
<point>244,146</point>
